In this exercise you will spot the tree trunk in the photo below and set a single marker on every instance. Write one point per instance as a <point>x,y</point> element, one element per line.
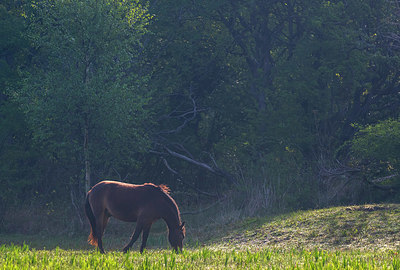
<point>88,183</point>
<point>86,155</point>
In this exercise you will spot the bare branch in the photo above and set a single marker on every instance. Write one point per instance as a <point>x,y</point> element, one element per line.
<point>186,116</point>
<point>213,160</point>
<point>119,176</point>
<point>165,147</point>
<point>169,167</point>
<point>339,170</point>
<point>342,170</point>
<point>381,179</point>
<point>390,188</point>
<point>201,164</point>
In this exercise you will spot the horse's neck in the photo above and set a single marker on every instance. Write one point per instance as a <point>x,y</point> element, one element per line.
<point>171,216</point>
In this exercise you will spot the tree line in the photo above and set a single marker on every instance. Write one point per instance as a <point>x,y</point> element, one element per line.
<point>288,103</point>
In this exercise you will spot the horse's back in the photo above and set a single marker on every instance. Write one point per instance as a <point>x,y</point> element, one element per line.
<point>116,189</point>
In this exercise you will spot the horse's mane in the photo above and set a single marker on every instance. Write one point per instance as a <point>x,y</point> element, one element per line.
<point>165,188</point>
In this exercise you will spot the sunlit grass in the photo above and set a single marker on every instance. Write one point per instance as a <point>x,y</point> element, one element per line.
<point>351,227</point>
<point>23,257</point>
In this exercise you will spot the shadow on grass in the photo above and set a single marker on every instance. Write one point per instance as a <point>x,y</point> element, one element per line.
<point>116,236</point>
<point>79,242</point>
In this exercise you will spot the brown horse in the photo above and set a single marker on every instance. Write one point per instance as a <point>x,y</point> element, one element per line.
<point>143,204</point>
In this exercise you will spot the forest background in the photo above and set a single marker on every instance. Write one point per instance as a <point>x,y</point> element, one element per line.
<point>266,105</point>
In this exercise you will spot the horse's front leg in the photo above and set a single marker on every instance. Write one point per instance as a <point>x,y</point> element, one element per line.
<point>146,231</point>
<point>100,246</point>
<point>134,237</point>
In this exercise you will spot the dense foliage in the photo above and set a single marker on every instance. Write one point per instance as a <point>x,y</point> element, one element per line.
<point>287,103</point>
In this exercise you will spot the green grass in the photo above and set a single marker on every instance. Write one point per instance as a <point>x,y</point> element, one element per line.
<point>22,257</point>
<point>353,237</point>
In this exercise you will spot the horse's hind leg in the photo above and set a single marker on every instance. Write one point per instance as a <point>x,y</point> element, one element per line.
<point>101,225</point>
<point>134,237</point>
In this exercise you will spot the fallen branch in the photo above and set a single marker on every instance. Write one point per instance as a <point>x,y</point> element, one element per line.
<point>374,182</point>
<point>381,179</point>
<point>188,159</point>
<point>342,170</point>
<point>216,171</point>
<point>339,170</point>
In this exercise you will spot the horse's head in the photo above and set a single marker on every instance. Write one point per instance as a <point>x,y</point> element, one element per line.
<point>176,236</point>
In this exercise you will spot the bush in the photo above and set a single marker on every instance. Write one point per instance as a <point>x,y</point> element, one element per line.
<point>376,151</point>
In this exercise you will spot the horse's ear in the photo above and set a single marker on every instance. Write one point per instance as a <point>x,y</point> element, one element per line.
<point>182,228</point>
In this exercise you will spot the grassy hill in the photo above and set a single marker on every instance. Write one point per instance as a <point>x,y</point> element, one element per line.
<point>351,227</point>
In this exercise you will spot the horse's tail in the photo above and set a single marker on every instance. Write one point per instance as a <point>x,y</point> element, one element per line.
<point>92,239</point>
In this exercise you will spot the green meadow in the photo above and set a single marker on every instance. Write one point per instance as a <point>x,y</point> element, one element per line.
<point>22,257</point>
<point>354,237</point>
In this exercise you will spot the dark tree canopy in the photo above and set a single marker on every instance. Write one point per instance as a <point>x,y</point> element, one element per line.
<point>296,101</point>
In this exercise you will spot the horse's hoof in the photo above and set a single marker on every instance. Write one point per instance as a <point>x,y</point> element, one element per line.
<point>125,250</point>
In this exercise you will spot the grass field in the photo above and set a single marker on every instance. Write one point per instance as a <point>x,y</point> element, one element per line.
<point>356,237</point>
<point>17,257</point>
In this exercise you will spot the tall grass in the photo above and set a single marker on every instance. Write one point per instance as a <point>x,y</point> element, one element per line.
<point>23,257</point>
